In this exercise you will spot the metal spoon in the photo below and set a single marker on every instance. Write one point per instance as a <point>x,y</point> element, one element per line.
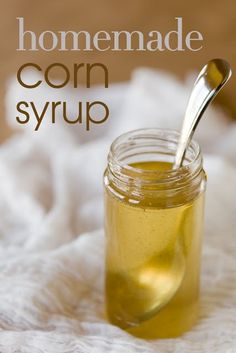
<point>209,82</point>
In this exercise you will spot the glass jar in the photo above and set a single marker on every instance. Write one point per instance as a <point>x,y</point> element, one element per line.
<point>153,225</point>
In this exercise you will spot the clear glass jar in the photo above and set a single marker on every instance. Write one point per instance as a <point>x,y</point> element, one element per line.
<point>153,225</point>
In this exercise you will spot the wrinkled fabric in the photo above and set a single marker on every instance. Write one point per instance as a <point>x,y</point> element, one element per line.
<point>51,224</point>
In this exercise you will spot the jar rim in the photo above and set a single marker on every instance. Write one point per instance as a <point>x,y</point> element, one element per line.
<point>156,134</point>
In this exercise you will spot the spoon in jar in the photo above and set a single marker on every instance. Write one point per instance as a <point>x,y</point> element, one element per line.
<point>209,82</point>
<point>159,280</point>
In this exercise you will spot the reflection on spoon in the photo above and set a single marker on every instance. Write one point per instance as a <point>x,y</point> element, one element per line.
<point>143,291</point>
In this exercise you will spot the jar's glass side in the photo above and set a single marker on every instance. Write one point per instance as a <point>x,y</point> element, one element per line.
<point>153,260</point>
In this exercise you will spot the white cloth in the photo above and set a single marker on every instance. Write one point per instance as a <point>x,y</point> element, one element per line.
<point>51,219</point>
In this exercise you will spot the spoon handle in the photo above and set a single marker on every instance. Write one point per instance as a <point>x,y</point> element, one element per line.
<point>210,80</point>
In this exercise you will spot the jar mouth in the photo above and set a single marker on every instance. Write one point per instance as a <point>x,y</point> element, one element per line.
<point>152,145</point>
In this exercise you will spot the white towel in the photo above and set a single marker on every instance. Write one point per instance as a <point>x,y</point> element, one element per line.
<point>51,223</point>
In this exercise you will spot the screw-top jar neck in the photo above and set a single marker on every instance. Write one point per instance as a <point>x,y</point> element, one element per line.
<point>147,145</point>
